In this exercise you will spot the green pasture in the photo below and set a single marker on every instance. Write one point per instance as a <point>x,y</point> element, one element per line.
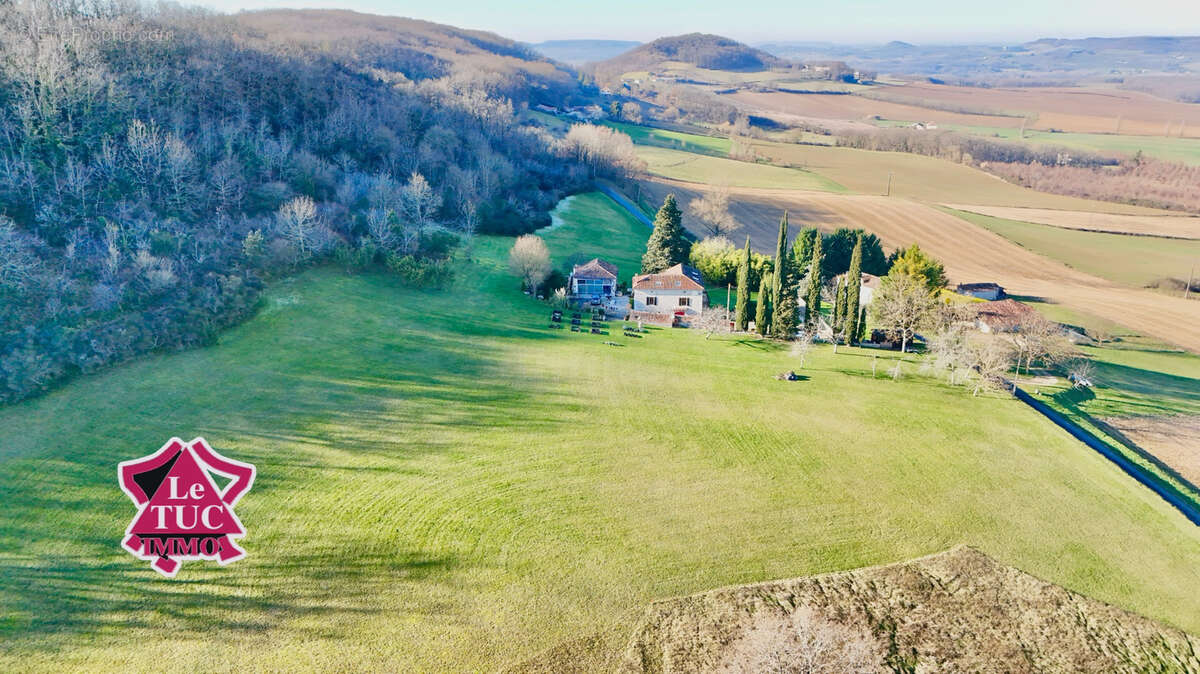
<point>447,484</point>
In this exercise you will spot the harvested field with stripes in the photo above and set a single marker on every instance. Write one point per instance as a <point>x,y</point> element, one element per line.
<point>1173,226</point>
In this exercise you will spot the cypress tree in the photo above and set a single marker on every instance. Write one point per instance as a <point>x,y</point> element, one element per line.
<point>860,332</point>
<point>839,306</point>
<point>667,245</point>
<point>762,313</point>
<point>813,310</point>
<point>742,313</point>
<point>802,249</point>
<point>853,290</point>
<point>783,287</point>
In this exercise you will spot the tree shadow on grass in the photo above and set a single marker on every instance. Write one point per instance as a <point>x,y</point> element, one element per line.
<point>1072,400</point>
<point>387,400</point>
<point>1147,382</point>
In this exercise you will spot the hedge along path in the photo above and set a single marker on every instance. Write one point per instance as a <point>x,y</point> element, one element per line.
<point>970,253</point>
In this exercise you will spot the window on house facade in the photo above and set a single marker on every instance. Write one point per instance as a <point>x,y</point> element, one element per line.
<point>651,301</point>
<point>685,301</point>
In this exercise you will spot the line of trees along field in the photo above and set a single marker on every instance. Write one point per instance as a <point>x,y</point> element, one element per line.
<point>1136,180</point>
<point>157,165</point>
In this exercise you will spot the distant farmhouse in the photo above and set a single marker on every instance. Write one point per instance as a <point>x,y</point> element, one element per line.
<point>984,291</point>
<point>677,291</point>
<point>1001,315</point>
<point>594,280</point>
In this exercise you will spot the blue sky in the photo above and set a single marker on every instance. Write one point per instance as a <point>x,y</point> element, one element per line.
<point>928,21</point>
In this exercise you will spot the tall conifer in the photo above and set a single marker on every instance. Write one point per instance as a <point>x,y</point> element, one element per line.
<point>667,245</point>
<point>742,312</point>
<point>762,314</point>
<point>813,300</point>
<point>783,287</point>
<point>853,291</point>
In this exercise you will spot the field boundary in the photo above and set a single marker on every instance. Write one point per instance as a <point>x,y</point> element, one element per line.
<point>1168,494</point>
<point>624,202</point>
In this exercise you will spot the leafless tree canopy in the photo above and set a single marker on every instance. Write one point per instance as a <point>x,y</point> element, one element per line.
<point>530,260</point>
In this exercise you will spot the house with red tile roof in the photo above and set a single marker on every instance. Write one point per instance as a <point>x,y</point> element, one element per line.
<point>678,290</point>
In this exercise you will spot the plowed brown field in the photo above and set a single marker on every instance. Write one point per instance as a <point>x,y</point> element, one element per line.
<point>1081,110</point>
<point>970,253</point>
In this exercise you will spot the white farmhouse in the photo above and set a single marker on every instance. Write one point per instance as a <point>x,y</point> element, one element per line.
<point>678,291</point>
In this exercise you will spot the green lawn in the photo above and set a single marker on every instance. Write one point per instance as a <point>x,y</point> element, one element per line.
<point>1130,260</point>
<point>1185,150</point>
<point>675,140</point>
<point>445,484</point>
<point>698,168</point>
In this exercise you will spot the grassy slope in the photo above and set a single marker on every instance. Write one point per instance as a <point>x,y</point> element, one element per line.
<point>696,168</point>
<point>445,484</point>
<point>675,140</point>
<point>1131,260</point>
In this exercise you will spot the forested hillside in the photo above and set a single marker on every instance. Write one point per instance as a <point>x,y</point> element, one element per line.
<point>156,166</point>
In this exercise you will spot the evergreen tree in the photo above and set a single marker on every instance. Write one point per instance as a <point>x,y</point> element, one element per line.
<point>839,306</point>
<point>667,246</point>
<point>783,287</point>
<point>802,248</point>
<point>813,313</point>
<point>762,314</point>
<point>860,332</point>
<point>853,290</point>
<point>742,312</point>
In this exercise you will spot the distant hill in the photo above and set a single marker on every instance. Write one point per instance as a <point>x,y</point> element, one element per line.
<point>578,52</point>
<point>1051,60</point>
<point>417,49</point>
<point>709,52</point>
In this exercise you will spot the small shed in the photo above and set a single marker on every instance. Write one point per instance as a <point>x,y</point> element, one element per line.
<point>983,291</point>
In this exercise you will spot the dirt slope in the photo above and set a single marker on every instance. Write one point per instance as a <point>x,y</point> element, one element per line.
<point>970,253</point>
<point>958,611</point>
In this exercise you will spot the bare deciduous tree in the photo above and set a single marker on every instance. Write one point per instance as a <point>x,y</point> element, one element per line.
<point>902,304</point>
<point>298,222</point>
<point>991,358</point>
<point>713,320</point>
<point>420,201</point>
<point>712,209</point>
<point>604,150</point>
<point>801,346</point>
<point>530,260</point>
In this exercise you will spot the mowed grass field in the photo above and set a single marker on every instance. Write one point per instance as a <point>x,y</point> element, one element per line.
<point>445,484</point>
<point>1135,261</point>
<point>698,168</point>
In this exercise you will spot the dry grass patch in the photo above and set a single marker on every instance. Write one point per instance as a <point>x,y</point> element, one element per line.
<point>956,611</point>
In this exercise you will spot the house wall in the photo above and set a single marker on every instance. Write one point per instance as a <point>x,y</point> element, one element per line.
<point>989,295</point>
<point>668,301</point>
